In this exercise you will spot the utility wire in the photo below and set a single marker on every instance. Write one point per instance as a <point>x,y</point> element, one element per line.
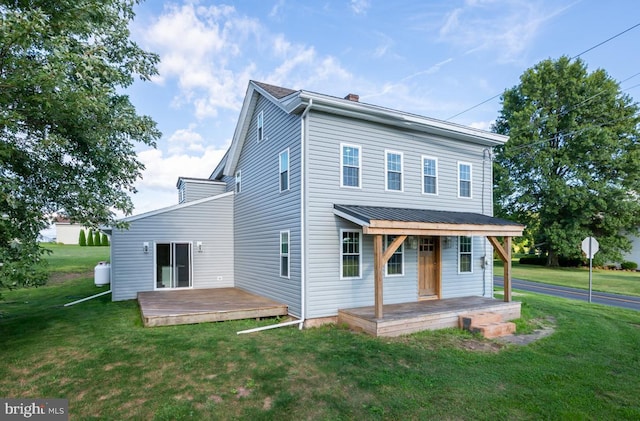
<point>572,58</point>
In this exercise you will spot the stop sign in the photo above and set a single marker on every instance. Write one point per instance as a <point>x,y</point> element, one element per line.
<point>590,246</point>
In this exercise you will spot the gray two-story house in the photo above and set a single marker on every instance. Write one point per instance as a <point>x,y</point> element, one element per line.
<point>327,203</point>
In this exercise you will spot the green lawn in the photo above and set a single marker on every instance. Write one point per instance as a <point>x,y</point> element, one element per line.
<point>97,355</point>
<point>74,259</point>
<point>616,281</point>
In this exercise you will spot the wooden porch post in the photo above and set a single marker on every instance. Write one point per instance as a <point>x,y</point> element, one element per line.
<point>507,270</point>
<point>378,266</point>
<point>504,251</point>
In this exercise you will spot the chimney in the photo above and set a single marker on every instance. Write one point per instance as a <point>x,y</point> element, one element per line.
<point>352,97</point>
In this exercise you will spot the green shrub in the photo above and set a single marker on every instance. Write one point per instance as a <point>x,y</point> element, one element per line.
<point>629,265</point>
<point>105,240</point>
<point>96,238</point>
<point>82,240</point>
<point>90,238</point>
<point>539,261</point>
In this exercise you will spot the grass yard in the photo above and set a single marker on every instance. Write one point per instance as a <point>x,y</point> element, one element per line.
<point>615,281</point>
<point>98,355</point>
<point>74,259</point>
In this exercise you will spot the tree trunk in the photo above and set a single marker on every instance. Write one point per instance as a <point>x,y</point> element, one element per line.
<point>552,259</point>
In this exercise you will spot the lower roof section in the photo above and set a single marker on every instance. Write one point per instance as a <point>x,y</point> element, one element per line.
<point>396,221</point>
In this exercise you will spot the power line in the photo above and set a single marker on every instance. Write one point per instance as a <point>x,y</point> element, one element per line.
<point>572,58</point>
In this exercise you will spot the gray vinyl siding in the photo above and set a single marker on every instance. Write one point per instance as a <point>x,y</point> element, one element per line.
<point>195,190</point>
<point>211,222</point>
<point>326,291</point>
<point>262,211</point>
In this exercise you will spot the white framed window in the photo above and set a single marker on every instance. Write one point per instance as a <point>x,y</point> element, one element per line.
<point>350,165</point>
<point>393,171</point>
<point>464,180</point>
<point>465,254</point>
<point>395,264</point>
<point>350,254</point>
<point>284,254</point>
<point>260,126</point>
<point>284,170</point>
<point>181,195</point>
<point>238,182</point>
<point>429,175</point>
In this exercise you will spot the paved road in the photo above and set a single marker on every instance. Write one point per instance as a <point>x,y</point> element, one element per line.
<point>616,300</point>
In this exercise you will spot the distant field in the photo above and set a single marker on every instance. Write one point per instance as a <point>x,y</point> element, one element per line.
<point>604,280</point>
<point>74,259</point>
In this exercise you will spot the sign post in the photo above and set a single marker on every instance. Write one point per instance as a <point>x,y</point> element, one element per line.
<point>590,246</point>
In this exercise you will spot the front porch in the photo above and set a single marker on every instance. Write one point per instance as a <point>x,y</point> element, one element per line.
<point>188,306</point>
<point>405,318</point>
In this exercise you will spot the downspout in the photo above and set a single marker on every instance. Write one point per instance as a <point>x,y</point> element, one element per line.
<point>303,269</point>
<point>485,260</point>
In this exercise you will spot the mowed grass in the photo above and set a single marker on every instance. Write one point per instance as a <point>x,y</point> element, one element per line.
<point>98,355</point>
<point>74,259</point>
<point>605,280</point>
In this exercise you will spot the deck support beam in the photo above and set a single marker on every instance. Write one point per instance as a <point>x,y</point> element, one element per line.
<point>504,251</point>
<point>380,258</point>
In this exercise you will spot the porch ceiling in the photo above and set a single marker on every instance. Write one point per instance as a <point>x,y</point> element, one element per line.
<point>395,221</point>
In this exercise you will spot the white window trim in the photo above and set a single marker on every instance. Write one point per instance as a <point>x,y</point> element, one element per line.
<point>288,170</point>
<point>386,265</point>
<point>238,182</point>
<point>260,125</point>
<point>433,158</point>
<point>288,254</point>
<point>360,254</point>
<point>470,180</point>
<point>155,264</point>
<point>181,194</point>
<point>359,148</point>
<point>386,170</point>
<point>470,254</point>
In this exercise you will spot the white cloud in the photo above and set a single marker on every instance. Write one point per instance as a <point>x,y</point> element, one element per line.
<point>275,10</point>
<point>482,125</point>
<point>507,28</point>
<point>360,7</point>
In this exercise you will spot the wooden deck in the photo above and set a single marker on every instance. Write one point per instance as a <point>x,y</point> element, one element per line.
<point>165,308</point>
<point>405,318</point>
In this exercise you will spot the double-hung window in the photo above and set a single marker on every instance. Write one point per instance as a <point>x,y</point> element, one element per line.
<point>284,170</point>
<point>284,254</point>
<point>260,125</point>
<point>465,252</point>
<point>238,182</point>
<point>350,164</point>
<point>464,180</point>
<point>395,264</point>
<point>350,253</point>
<point>429,175</point>
<point>393,174</point>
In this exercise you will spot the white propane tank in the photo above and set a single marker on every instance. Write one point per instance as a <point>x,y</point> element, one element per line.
<point>102,274</point>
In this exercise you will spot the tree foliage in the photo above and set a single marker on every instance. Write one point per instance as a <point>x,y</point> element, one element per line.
<point>104,240</point>
<point>82,238</point>
<point>90,237</point>
<point>571,167</point>
<point>67,132</point>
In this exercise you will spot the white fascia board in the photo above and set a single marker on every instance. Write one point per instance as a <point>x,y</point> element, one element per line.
<point>401,119</point>
<point>241,130</point>
<point>175,207</point>
<point>198,181</point>
<point>350,218</point>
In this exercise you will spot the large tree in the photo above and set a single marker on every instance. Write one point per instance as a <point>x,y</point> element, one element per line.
<point>67,131</point>
<point>571,167</point>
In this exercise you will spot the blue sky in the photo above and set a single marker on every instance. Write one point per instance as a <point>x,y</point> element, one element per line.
<point>434,58</point>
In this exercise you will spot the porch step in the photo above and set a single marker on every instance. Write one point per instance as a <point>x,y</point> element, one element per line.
<point>489,325</point>
<point>469,320</point>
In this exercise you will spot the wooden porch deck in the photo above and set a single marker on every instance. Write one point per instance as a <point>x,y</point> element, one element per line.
<point>166,308</point>
<point>405,318</point>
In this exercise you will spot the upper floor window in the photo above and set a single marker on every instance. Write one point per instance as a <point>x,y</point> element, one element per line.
<point>393,175</point>
<point>284,170</point>
<point>238,182</point>
<point>429,175</point>
<point>181,195</point>
<point>350,256</point>
<point>284,254</point>
<point>464,179</point>
<point>465,245</point>
<point>350,164</point>
<point>260,126</point>
<point>395,264</point>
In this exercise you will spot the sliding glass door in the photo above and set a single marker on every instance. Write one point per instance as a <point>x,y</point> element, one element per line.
<point>173,265</point>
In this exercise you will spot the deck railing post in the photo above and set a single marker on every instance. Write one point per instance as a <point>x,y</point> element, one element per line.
<point>507,270</point>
